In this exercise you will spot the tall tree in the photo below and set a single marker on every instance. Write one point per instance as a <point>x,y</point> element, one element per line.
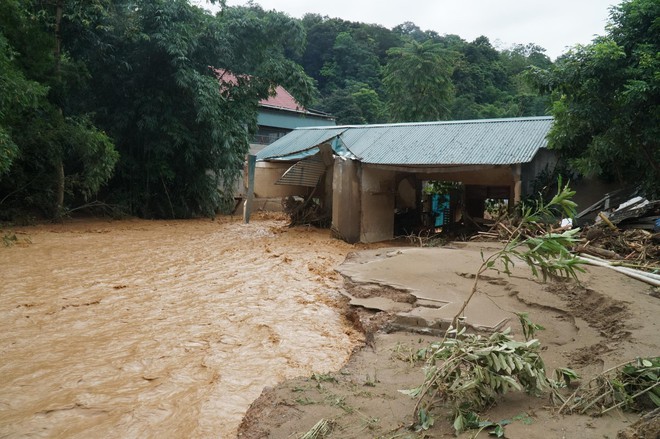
<point>183,129</point>
<point>607,99</point>
<point>54,151</point>
<point>417,79</point>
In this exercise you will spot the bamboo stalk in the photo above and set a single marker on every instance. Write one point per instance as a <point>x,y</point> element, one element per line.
<point>607,221</point>
<point>649,278</point>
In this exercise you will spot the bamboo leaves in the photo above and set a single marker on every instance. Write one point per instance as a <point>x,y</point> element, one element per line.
<point>634,385</point>
<point>471,371</point>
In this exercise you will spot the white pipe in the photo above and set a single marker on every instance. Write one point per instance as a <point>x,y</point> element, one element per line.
<point>635,274</point>
<point>615,264</point>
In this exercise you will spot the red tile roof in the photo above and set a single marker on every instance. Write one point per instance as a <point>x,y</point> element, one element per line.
<point>282,98</point>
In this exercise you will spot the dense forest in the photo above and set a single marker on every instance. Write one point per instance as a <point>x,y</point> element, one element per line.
<point>366,73</point>
<point>118,103</point>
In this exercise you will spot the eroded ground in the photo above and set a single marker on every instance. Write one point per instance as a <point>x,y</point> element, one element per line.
<point>161,329</point>
<point>606,320</point>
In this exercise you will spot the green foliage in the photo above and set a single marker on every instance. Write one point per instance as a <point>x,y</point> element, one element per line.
<point>17,95</point>
<point>40,134</point>
<point>487,83</point>
<point>184,131</point>
<point>642,375</point>
<point>138,75</point>
<point>529,328</point>
<point>633,386</point>
<point>606,99</point>
<point>417,81</point>
<point>546,254</point>
<point>470,371</point>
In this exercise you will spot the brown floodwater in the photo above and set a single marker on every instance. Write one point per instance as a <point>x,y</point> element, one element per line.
<point>161,329</point>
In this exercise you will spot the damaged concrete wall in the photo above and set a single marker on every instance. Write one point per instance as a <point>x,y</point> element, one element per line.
<point>377,214</point>
<point>265,176</point>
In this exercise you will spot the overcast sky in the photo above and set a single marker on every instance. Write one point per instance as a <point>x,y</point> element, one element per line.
<point>552,24</point>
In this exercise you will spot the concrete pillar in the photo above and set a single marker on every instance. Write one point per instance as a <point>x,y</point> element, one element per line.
<point>378,193</point>
<point>346,200</point>
<point>516,187</point>
<point>516,170</point>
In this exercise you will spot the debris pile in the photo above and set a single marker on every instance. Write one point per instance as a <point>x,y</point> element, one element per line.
<point>626,239</point>
<point>636,213</point>
<point>628,233</point>
<point>637,246</point>
<point>306,212</point>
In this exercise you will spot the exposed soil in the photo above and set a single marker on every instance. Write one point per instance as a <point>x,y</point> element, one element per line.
<point>603,321</point>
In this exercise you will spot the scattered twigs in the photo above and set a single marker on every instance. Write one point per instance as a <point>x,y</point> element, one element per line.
<point>636,395</point>
<point>320,430</point>
<point>632,385</point>
<point>306,211</point>
<point>634,246</point>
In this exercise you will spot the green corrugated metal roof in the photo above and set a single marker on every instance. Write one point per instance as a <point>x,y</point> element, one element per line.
<point>473,142</point>
<point>299,140</point>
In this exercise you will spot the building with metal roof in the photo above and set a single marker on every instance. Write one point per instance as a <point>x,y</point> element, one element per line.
<point>371,171</point>
<point>279,114</point>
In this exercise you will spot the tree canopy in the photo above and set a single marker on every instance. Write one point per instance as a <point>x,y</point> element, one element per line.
<point>40,134</point>
<point>150,104</point>
<point>606,99</point>
<point>483,81</point>
<point>417,80</point>
<point>130,89</point>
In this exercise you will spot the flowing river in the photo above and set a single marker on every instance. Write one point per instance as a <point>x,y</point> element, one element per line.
<point>139,329</point>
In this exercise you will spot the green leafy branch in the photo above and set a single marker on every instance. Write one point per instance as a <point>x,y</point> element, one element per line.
<point>546,253</point>
<point>633,385</point>
<point>470,371</point>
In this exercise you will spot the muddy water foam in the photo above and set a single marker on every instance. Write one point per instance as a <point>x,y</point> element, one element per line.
<point>161,329</point>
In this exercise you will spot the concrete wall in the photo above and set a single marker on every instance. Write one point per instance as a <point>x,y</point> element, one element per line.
<point>377,207</point>
<point>544,159</point>
<point>346,200</point>
<point>406,193</point>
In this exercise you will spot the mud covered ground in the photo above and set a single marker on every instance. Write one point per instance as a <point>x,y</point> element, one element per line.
<point>605,320</point>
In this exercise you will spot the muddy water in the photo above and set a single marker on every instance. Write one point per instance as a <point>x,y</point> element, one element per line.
<point>161,329</point>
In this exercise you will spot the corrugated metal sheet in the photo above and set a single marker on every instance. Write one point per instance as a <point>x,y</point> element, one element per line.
<point>306,172</point>
<point>476,142</point>
<point>299,140</point>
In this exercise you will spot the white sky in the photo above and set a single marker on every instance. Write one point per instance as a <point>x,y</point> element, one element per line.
<point>552,24</point>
